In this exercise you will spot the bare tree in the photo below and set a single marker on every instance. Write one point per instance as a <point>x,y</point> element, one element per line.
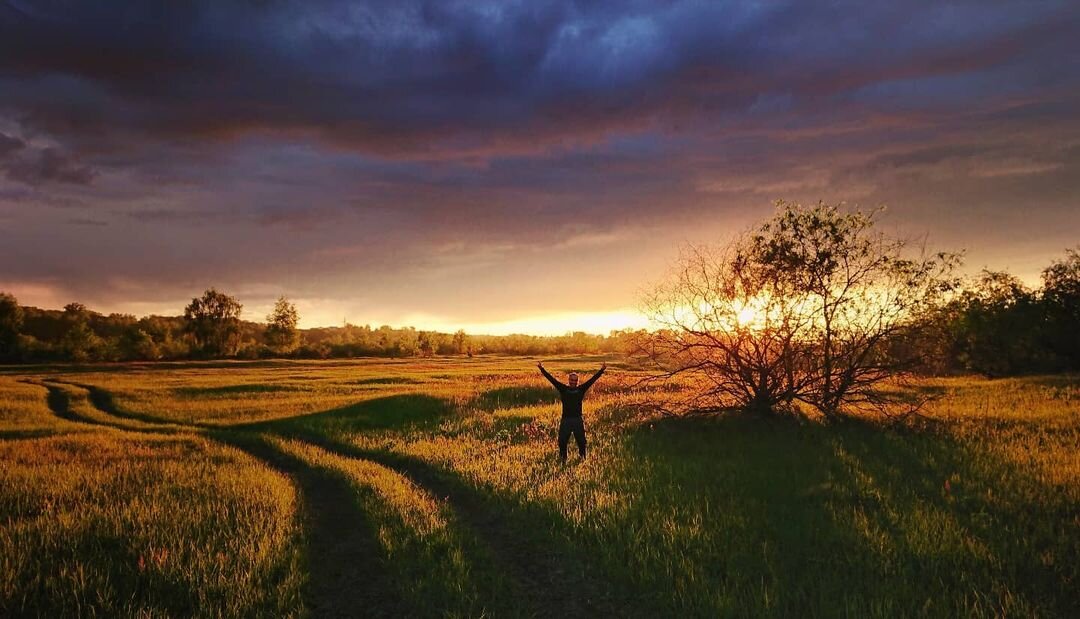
<point>734,333</point>
<point>803,309</point>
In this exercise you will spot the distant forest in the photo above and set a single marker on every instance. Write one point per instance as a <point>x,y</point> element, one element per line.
<point>211,328</point>
<point>992,325</point>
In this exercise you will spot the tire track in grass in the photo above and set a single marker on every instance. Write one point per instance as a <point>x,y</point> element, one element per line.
<point>59,400</point>
<point>347,578</point>
<point>553,581</point>
<point>343,549</point>
<point>424,538</point>
<point>104,401</point>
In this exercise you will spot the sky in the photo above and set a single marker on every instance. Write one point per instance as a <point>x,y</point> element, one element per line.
<point>509,166</point>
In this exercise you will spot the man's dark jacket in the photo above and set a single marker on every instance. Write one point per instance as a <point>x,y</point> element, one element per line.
<point>571,396</point>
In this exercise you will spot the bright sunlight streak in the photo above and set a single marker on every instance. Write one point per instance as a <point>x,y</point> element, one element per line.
<point>746,315</point>
<point>550,324</point>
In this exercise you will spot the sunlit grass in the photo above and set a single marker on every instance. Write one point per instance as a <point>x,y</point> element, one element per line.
<point>414,507</point>
<point>1032,423</point>
<point>115,524</point>
<point>970,511</point>
<point>439,568</point>
<point>228,394</point>
<point>723,516</point>
<point>24,410</point>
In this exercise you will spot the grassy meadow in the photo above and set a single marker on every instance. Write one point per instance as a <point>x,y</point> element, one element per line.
<point>433,488</point>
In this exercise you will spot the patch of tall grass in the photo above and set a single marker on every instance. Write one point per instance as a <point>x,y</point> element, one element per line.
<point>115,524</point>
<point>24,411</point>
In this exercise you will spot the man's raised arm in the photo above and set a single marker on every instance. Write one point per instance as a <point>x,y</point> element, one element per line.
<point>592,380</point>
<point>550,378</point>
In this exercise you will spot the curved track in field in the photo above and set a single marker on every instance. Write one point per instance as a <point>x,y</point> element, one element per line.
<point>103,401</point>
<point>59,401</point>
<point>342,550</point>
<point>550,580</point>
<point>347,577</point>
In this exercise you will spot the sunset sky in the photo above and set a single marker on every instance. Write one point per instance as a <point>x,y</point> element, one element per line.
<point>509,166</point>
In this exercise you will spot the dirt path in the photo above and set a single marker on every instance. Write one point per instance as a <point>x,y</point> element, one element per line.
<point>554,580</point>
<point>344,556</point>
<point>59,402</point>
<point>103,401</point>
<point>346,578</point>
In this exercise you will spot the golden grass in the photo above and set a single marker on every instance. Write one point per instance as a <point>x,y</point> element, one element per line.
<point>404,500</point>
<point>433,566</point>
<point>24,412</point>
<point>973,512</point>
<point>119,524</point>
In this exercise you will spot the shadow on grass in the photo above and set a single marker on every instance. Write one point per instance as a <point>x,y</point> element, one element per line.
<point>845,519</point>
<point>59,402</point>
<point>18,435</point>
<point>345,558</point>
<point>509,426</point>
<point>735,516</point>
<point>103,400</point>
<point>971,520</point>
<point>112,583</point>
<point>551,575</point>
<point>1057,382</point>
<point>518,538</point>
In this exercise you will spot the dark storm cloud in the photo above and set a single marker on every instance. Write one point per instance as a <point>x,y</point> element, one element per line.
<point>46,165</point>
<point>33,166</point>
<point>9,144</point>
<point>455,77</point>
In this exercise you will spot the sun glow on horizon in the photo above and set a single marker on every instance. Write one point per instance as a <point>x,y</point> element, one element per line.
<point>561,323</point>
<point>746,315</point>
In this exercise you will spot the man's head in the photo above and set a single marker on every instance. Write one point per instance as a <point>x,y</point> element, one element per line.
<point>573,379</point>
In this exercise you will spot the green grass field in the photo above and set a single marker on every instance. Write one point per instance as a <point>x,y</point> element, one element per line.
<point>433,488</point>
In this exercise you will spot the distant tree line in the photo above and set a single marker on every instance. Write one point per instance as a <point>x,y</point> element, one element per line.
<point>212,328</point>
<point>997,326</point>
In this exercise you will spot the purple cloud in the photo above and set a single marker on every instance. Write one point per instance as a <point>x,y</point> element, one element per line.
<point>402,148</point>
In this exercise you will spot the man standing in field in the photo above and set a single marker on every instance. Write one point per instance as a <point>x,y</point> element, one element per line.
<point>571,396</point>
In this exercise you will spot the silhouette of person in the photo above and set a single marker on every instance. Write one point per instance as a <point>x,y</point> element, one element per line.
<point>571,396</point>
